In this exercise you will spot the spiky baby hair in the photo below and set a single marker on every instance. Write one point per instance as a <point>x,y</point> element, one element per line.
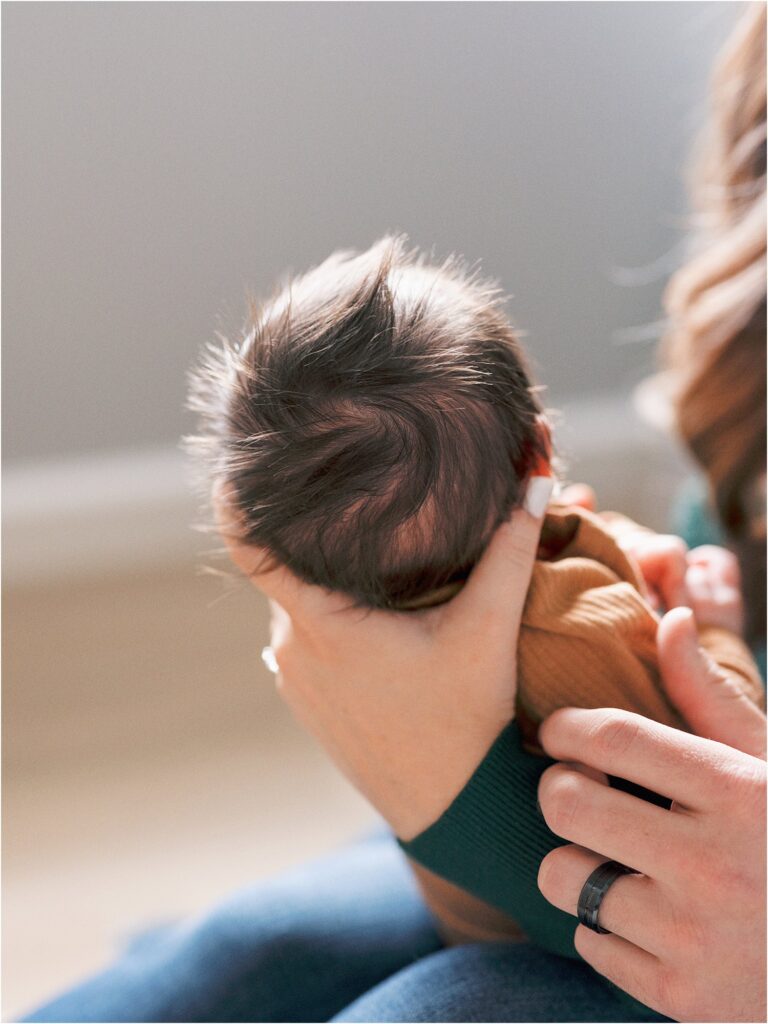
<point>375,423</point>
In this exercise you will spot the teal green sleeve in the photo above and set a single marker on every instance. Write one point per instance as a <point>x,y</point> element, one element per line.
<point>492,839</point>
<point>692,516</point>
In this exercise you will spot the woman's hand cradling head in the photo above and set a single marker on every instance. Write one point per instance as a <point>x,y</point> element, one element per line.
<point>406,703</point>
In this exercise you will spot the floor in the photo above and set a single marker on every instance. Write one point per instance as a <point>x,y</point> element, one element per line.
<point>149,767</point>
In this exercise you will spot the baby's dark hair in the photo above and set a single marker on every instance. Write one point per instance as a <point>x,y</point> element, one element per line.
<point>374,425</point>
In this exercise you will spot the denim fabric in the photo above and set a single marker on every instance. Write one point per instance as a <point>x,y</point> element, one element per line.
<point>299,947</point>
<point>346,937</point>
<point>494,982</point>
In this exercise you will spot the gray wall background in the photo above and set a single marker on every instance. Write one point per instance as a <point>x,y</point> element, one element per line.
<point>161,159</point>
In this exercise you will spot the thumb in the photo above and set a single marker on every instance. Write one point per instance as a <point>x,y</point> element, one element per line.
<point>497,587</point>
<point>710,701</point>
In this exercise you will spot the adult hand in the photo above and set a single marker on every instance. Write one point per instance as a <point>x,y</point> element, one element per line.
<point>407,704</point>
<point>688,934</point>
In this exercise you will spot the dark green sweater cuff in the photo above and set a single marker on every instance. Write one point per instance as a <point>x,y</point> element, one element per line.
<point>492,839</point>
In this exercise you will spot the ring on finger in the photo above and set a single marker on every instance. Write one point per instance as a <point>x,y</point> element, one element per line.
<point>593,892</point>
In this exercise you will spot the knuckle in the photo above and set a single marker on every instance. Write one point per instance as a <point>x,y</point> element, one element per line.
<point>614,736</point>
<point>559,796</point>
<point>741,780</point>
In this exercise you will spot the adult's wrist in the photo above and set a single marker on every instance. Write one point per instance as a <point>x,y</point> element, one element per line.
<point>491,841</point>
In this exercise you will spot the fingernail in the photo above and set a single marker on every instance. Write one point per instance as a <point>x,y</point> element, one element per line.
<point>538,494</point>
<point>685,615</point>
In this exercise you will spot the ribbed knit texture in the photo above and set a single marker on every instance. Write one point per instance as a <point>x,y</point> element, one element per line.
<point>486,844</point>
<point>491,841</point>
<point>587,639</point>
<point>588,636</point>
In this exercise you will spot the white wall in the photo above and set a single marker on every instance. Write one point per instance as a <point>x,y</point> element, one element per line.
<point>159,159</point>
<point>91,516</point>
<point>162,158</point>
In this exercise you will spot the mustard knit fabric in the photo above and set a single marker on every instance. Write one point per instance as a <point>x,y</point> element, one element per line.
<point>588,636</point>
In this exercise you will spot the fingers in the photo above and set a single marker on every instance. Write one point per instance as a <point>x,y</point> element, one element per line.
<point>634,748</point>
<point>497,587</point>
<point>710,701</point>
<point>663,563</point>
<point>632,907</point>
<point>613,823</point>
<point>633,969</point>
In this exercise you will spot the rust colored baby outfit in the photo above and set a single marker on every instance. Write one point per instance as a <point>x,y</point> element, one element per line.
<point>588,636</point>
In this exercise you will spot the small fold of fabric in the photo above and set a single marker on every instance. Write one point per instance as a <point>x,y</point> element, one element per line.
<point>588,635</point>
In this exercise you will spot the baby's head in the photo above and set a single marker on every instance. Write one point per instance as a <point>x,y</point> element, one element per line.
<point>374,425</point>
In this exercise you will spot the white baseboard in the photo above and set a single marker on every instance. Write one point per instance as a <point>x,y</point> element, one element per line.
<point>125,511</point>
<point>90,515</point>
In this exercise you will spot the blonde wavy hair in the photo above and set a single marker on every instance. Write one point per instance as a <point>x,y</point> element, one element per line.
<point>715,348</point>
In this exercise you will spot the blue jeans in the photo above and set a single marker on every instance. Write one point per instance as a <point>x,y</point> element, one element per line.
<point>346,938</point>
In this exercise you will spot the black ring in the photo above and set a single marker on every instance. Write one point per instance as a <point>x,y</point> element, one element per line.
<point>595,888</point>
